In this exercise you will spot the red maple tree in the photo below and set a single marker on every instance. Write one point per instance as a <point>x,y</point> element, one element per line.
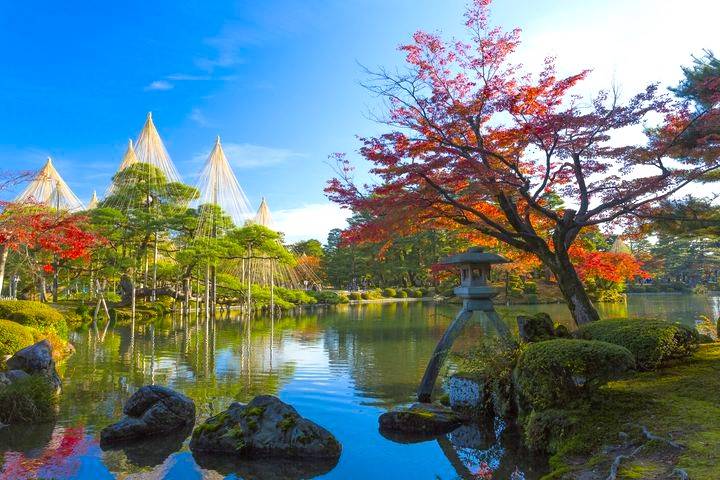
<point>476,143</point>
<point>46,237</point>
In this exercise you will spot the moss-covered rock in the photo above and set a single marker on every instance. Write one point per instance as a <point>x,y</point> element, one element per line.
<point>535,328</point>
<point>420,418</point>
<point>14,337</point>
<point>34,314</point>
<point>652,342</point>
<point>555,372</point>
<point>265,427</point>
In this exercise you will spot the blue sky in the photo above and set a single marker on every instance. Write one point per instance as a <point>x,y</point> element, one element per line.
<point>278,80</point>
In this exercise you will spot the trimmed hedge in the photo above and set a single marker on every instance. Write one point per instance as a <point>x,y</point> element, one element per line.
<point>14,337</point>
<point>34,314</point>
<point>652,342</point>
<point>328,297</point>
<point>554,372</point>
<point>389,292</point>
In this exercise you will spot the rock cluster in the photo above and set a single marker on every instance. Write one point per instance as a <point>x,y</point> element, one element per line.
<point>36,359</point>
<point>152,410</point>
<point>264,427</point>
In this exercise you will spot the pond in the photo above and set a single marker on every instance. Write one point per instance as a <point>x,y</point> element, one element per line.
<point>341,367</point>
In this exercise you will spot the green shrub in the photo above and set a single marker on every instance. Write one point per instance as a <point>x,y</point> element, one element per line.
<point>652,342</point>
<point>417,293</point>
<point>365,295</point>
<point>389,292</point>
<point>561,331</point>
<point>516,292</point>
<point>354,295</point>
<point>28,400</point>
<point>342,298</point>
<point>14,337</point>
<point>543,428</point>
<point>34,314</point>
<point>494,360</point>
<point>530,287</point>
<point>404,294</point>
<point>554,372</point>
<point>327,297</point>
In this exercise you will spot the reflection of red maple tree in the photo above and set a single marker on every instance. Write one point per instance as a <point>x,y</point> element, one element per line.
<point>58,460</point>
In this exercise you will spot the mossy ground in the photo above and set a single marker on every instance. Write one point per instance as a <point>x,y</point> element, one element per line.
<point>680,403</point>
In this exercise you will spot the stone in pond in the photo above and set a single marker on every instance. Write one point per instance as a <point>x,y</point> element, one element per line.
<point>467,393</point>
<point>36,359</point>
<point>420,418</point>
<point>265,427</point>
<point>152,410</point>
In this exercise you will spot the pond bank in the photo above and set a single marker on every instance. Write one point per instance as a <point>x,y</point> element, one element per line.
<point>650,424</point>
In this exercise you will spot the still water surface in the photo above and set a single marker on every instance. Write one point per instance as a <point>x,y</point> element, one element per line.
<point>341,367</point>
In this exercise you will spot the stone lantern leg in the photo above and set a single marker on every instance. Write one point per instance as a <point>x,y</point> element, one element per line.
<point>477,295</point>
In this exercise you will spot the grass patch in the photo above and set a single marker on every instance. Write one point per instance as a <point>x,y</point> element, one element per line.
<point>28,400</point>
<point>679,402</point>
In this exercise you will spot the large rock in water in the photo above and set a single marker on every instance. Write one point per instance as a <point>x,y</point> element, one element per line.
<point>36,359</point>
<point>152,410</point>
<point>265,427</point>
<point>420,418</point>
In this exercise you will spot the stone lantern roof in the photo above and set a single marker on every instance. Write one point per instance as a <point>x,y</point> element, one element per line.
<point>474,255</point>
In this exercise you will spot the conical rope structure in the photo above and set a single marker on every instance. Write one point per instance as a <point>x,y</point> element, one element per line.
<point>93,203</point>
<point>129,158</point>
<point>219,186</point>
<point>48,188</point>
<point>150,149</point>
<point>221,197</point>
<point>267,271</point>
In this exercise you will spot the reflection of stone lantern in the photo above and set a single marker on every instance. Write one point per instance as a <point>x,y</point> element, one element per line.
<point>477,295</point>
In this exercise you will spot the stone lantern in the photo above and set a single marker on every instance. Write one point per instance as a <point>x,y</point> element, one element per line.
<point>477,294</point>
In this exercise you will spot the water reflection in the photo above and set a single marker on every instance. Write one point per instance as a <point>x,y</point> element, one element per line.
<point>339,367</point>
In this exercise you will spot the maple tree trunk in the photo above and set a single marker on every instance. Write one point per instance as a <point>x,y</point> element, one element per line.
<point>572,289</point>
<point>3,261</point>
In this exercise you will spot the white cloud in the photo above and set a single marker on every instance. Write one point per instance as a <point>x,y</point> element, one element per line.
<point>198,117</point>
<point>159,85</point>
<point>185,77</point>
<point>314,220</point>
<point>247,155</point>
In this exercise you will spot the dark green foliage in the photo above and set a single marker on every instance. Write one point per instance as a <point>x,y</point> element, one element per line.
<point>402,294</point>
<point>34,314</point>
<point>544,428</point>
<point>530,287</point>
<point>554,372</point>
<point>28,400</point>
<point>354,296</point>
<point>561,331</point>
<point>652,342</point>
<point>14,337</point>
<point>536,328</point>
<point>417,293</point>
